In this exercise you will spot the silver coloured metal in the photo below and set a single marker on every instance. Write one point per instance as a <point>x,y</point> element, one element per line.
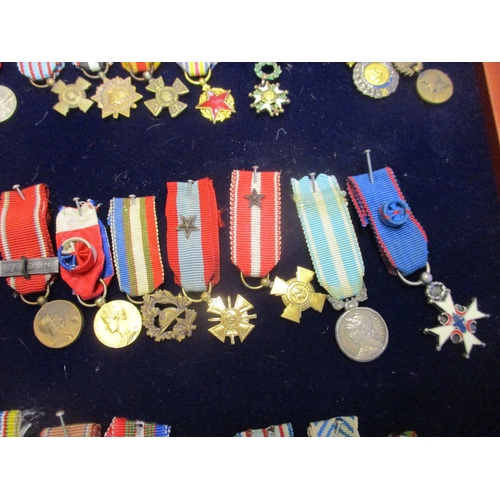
<point>190,183</point>
<point>17,188</point>
<point>350,303</point>
<point>77,202</point>
<point>60,414</point>
<point>255,168</point>
<point>132,198</point>
<point>8,103</point>
<point>368,159</point>
<point>313,182</point>
<point>361,334</point>
<point>23,267</point>
<point>414,283</point>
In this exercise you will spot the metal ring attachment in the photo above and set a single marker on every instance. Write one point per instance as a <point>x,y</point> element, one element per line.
<point>102,297</point>
<point>258,287</point>
<point>41,298</point>
<point>414,283</point>
<point>95,76</point>
<point>202,79</point>
<point>209,291</point>
<point>136,302</point>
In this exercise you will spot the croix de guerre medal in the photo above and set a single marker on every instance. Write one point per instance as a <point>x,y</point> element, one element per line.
<point>402,241</point>
<point>361,333</point>
<point>71,96</point>
<point>215,104</point>
<point>31,266</point>
<point>194,255</point>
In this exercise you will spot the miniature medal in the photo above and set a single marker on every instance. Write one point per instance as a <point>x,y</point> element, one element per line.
<point>375,79</point>
<point>71,96</point>
<point>361,333</point>
<point>30,264</point>
<point>215,104</point>
<point>268,96</point>
<point>8,103</point>
<point>403,243</point>
<point>434,86</point>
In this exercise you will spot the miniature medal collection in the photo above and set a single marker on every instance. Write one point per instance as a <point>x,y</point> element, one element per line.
<point>91,249</point>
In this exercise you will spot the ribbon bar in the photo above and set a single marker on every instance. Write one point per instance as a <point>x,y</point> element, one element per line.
<point>400,237</point>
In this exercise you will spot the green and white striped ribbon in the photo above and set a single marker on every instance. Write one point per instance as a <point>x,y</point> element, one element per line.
<point>330,236</point>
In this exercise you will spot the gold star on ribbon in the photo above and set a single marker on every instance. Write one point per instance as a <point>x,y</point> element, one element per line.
<point>166,97</point>
<point>187,225</point>
<point>234,321</point>
<point>72,96</point>
<point>298,294</point>
<point>254,199</point>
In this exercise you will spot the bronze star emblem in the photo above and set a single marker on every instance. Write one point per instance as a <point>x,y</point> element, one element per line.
<point>187,225</point>
<point>254,199</point>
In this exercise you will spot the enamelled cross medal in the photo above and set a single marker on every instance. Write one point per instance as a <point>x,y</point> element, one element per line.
<point>193,253</point>
<point>402,242</point>
<point>30,264</point>
<point>361,333</point>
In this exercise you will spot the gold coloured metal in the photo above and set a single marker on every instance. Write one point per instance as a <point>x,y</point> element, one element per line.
<point>40,301</point>
<point>58,324</point>
<point>159,330</point>
<point>376,74</point>
<point>117,324</point>
<point>72,96</point>
<point>298,294</point>
<point>98,301</point>
<point>166,97</point>
<point>434,86</point>
<point>201,81</point>
<point>408,68</point>
<point>233,321</point>
<point>264,282</point>
<point>8,103</point>
<point>205,296</point>
<point>216,104</point>
<point>100,74</point>
<point>116,97</point>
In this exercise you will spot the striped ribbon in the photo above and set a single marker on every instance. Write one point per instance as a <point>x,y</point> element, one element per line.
<point>40,71</point>
<point>89,258</point>
<point>140,67</point>
<point>283,430</point>
<point>74,430</point>
<point>400,237</point>
<point>334,427</point>
<point>24,233</point>
<point>92,67</point>
<point>255,230</point>
<point>13,423</point>
<point>136,251</point>
<point>121,427</point>
<point>194,259</point>
<point>330,235</point>
<point>197,68</point>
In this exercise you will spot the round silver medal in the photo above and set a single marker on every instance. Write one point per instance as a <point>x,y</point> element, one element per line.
<point>8,103</point>
<point>361,334</point>
<point>375,79</point>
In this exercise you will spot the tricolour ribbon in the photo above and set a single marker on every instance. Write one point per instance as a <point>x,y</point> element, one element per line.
<point>83,250</point>
<point>330,236</point>
<point>136,251</point>
<point>121,427</point>
<point>193,234</point>
<point>39,71</point>
<point>197,68</point>
<point>282,430</point>
<point>400,237</point>
<point>24,233</point>
<point>255,221</point>
<point>334,427</point>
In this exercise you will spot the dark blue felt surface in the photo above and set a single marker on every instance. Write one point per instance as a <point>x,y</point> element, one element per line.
<point>283,372</point>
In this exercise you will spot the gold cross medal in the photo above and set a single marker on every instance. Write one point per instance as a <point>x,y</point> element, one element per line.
<point>72,96</point>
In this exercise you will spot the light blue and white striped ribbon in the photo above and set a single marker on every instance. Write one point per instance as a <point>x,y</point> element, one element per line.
<point>334,427</point>
<point>330,236</point>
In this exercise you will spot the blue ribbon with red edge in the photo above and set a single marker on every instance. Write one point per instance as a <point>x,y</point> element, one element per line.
<point>401,239</point>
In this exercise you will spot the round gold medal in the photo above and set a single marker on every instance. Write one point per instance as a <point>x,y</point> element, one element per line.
<point>434,86</point>
<point>58,324</point>
<point>117,323</point>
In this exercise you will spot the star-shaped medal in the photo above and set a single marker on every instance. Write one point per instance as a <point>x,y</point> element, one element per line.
<point>72,96</point>
<point>298,294</point>
<point>457,322</point>
<point>233,321</point>
<point>269,97</point>
<point>187,225</point>
<point>254,199</point>
<point>216,104</point>
<point>116,97</point>
<point>166,97</point>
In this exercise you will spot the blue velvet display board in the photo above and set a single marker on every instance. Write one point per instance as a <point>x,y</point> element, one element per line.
<point>283,372</point>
